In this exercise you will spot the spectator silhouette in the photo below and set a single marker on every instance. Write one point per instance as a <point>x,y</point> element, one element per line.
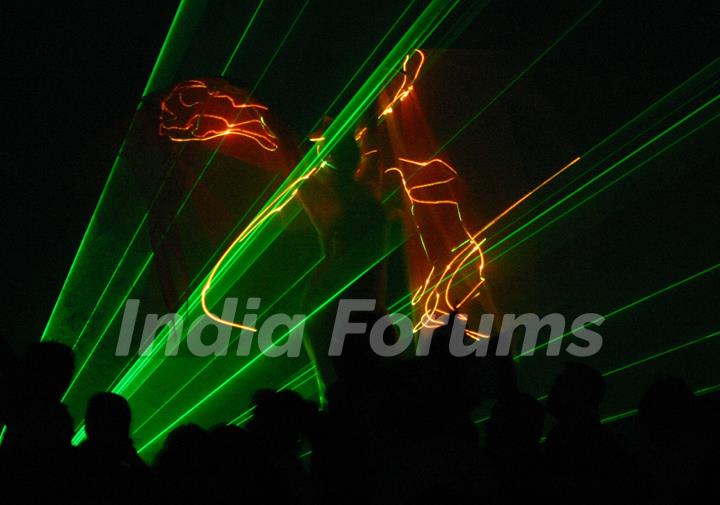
<point>232,462</point>
<point>675,423</point>
<point>112,470</point>
<point>36,454</point>
<point>512,440</point>
<point>182,472</point>
<point>278,421</point>
<point>587,462</point>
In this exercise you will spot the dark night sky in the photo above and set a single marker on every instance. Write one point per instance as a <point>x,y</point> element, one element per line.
<point>74,72</point>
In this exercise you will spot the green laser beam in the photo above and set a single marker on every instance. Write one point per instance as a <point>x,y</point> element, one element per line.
<point>183,10</point>
<point>633,412</point>
<point>97,342</point>
<point>616,150</point>
<point>517,78</point>
<point>364,63</point>
<point>588,183</point>
<point>176,35</point>
<point>263,351</point>
<point>502,92</point>
<point>623,308</point>
<point>205,266</point>
<point>643,361</point>
<point>230,343</point>
<point>660,354</point>
<point>242,38</point>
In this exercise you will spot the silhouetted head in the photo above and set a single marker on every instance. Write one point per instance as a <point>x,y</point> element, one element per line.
<point>358,358</point>
<point>185,448</point>
<point>231,439</point>
<point>47,369</point>
<point>515,422</point>
<point>576,393</point>
<point>277,418</point>
<point>667,409</point>
<point>107,418</point>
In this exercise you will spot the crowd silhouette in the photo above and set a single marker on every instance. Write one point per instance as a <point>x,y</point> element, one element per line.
<point>397,434</point>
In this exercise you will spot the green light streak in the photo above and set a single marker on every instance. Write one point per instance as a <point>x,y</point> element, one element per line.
<point>614,165</point>
<point>517,78</point>
<point>83,244</point>
<point>230,343</point>
<point>700,75</point>
<point>178,35</point>
<point>365,62</point>
<point>242,38</point>
<point>707,390</point>
<point>262,352</point>
<point>606,140</point>
<point>585,185</point>
<point>282,43</point>
<point>622,309</point>
<point>660,354</point>
<point>110,281</point>
<point>617,417</point>
<point>107,327</point>
<point>574,207</point>
<point>641,361</point>
<point>633,412</point>
<point>184,11</point>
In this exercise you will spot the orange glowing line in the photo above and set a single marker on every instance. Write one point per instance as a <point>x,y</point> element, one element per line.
<point>457,269</point>
<point>265,138</point>
<point>272,208</point>
<point>195,84</point>
<point>422,288</point>
<point>466,250</point>
<point>521,200</point>
<point>433,293</point>
<point>405,88</point>
<point>429,162</point>
<point>476,335</point>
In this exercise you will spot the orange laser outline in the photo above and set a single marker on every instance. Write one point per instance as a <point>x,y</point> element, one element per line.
<point>265,138</point>
<point>405,87</point>
<point>273,208</point>
<point>432,294</point>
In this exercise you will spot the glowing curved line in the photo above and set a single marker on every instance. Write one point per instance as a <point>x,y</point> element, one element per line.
<point>273,208</point>
<point>431,292</point>
<point>472,243</point>
<point>405,88</point>
<point>265,138</point>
